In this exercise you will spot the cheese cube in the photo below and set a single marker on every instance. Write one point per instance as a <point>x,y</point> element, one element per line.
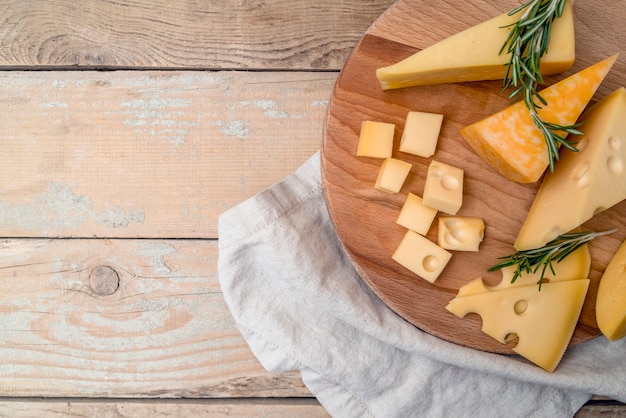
<point>421,256</point>
<point>392,175</point>
<point>416,216</point>
<point>611,299</point>
<point>585,182</point>
<point>421,132</point>
<point>375,139</point>
<point>460,233</point>
<point>444,187</point>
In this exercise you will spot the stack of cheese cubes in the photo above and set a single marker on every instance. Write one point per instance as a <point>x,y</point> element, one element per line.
<point>443,191</point>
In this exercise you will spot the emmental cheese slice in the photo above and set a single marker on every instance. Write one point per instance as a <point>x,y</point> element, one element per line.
<point>474,54</point>
<point>510,141</point>
<point>611,298</point>
<point>584,182</point>
<point>544,321</point>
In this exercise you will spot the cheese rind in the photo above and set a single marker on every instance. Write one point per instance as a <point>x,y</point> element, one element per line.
<point>375,139</point>
<point>443,189</point>
<point>421,133</point>
<point>611,298</point>
<point>421,256</point>
<point>392,175</point>
<point>584,182</point>
<point>474,54</point>
<point>460,233</point>
<point>513,145</point>
<point>416,216</point>
<point>544,321</point>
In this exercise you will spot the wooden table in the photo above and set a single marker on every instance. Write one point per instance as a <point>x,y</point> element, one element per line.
<point>127,127</point>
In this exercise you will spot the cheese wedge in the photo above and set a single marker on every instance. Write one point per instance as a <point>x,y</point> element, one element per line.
<point>575,266</point>
<point>511,143</point>
<point>474,54</point>
<point>584,182</point>
<point>611,298</point>
<point>544,321</point>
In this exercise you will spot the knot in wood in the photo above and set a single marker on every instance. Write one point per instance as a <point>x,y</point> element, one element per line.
<point>104,280</point>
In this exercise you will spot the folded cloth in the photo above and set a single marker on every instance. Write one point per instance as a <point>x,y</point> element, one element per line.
<point>300,305</point>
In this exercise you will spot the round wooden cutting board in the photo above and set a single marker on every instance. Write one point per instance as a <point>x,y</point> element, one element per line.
<point>364,217</point>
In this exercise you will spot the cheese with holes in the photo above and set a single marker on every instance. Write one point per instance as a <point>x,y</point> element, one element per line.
<point>474,54</point>
<point>416,216</point>
<point>611,298</point>
<point>421,256</point>
<point>509,140</point>
<point>392,175</point>
<point>460,233</point>
<point>421,133</point>
<point>584,182</point>
<point>443,189</point>
<point>575,266</point>
<point>375,139</point>
<point>543,321</point>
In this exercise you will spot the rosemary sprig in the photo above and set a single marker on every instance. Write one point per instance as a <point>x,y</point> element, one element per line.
<point>526,43</point>
<point>530,261</point>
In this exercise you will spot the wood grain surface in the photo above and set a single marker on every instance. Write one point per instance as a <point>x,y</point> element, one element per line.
<point>365,217</point>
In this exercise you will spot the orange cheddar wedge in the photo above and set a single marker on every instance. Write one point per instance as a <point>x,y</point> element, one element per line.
<point>512,144</point>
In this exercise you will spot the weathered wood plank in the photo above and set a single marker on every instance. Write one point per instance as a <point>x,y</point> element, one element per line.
<point>148,154</point>
<point>160,328</point>
<point>215,408</point>
<point>274,34</point>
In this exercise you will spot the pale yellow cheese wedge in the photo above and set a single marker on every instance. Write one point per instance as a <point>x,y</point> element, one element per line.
<point>611,298</point>
<point>575,266</point>
<point>585,182</point>
<point>511,143</point>
<point>421,256</point>
<point>473,55</point>
<point>544,321</point>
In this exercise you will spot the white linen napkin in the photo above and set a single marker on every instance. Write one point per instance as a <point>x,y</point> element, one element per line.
<point>300,305</point>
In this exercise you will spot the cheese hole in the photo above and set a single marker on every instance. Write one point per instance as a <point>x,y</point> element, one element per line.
<point>450,238</point>
<point>520,307</point>
<point>511,340</point>
<point>581,175</point>
<point>430,263</point>
<point>437,171</point>
<point>582,144</point>
<point>449,183</point>
<point>615,143</point>
<point>615,165</point>
<point>599,209</point>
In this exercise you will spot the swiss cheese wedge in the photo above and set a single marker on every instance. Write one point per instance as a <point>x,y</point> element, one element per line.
<point>611,298</point>
<point>474,54</point>
<point>584,182</point>
<point>511,143</point>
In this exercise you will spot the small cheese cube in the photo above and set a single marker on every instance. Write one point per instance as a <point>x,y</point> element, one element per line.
<point>375,139</point>
<point>392,175</point>
<point>416,216</point>
<point>421,256</point>
<point>421,132</point>
<point>444,187</point>
<point>460,233</point>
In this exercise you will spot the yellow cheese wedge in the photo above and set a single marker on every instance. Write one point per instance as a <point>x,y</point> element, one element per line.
<point>611,298</point>
<point>473,55</point>
<point>575,266</point>
<point>584,182</point>
<point>511,143</point>
<point>544,321</point>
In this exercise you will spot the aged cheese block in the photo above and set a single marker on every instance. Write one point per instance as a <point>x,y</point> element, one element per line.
<point>392,174</point>
<point>375,139</point>
<point>421,133</point>
<point>460,233</point>
<point>584,182</point>
<point>474,54</point>
<point>421,256</point>
<point>543,321</point>
<point>611,298</point>
<point>443,189</point>
<point>416,216</point>
<point>509,140</point>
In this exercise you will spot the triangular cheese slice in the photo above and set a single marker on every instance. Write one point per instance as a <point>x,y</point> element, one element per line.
<point>474,54</point>
<point>544,321</point>
<point>575,266</point>
<point>584,182</point>
<point>509,140</point>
